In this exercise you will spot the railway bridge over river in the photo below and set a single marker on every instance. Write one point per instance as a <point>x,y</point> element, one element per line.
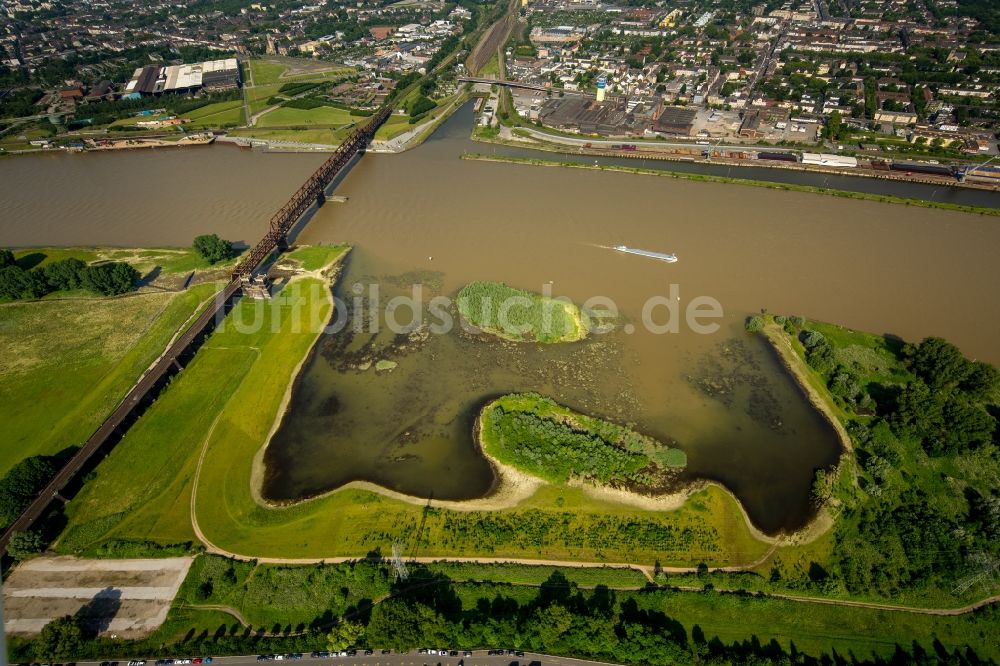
<point>142,393</point>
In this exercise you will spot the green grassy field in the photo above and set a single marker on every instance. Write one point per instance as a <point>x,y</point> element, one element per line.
<point>398,124</point>
<point>258,96</point>
<point>327,116</point>
<point>68,363</point>
<point>518,315</point>
<point>393,127</point>
<point>268,76</point>
<point>220,114</point>
<point>816,628</point>
<point>267,72</point>
<point>315,257</point>
<point>69,360</point>
<point>168,260</point>
<point>322,136</point>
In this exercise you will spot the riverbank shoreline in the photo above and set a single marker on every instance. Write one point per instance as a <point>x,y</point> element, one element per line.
<point>330,274</point>
<point>575,149</point>
<point>642,171</point>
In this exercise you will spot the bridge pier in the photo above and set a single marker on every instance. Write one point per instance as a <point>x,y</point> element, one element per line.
<point>320,198</point>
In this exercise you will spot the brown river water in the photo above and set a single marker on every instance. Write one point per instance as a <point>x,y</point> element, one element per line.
<point>428,217</point>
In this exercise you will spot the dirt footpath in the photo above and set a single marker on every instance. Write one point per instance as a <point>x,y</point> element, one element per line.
<point>127,598</point>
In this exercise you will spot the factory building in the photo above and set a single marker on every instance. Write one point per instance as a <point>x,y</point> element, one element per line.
<point>210,75</point>
<point>676,120</point>
<point>587,116</point>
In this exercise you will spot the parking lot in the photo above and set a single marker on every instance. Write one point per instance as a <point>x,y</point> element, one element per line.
<point>379,658</point>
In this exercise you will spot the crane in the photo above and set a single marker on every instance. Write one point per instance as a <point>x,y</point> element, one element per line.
<point>968,171</point>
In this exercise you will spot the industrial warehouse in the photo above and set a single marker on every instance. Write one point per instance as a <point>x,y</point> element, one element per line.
<point>209,75</point>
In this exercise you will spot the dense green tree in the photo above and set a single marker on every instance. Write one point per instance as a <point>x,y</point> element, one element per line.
<point>15,283</point>
<point>65,274</point>
<point>110,279</point>
<point>939,363</point>
<point>834,126</point>
<point>403,625</point>
<point>60,639</point>
<point>421,105</point>
<point>966,425</point>
<point>821,357</point>
<point>345,634</point>
<point>213,248</point>
<point>941,422</point>
<point>6,258</point>
<point>21,485</point>
<point>981,381</point>
<point>25,544</point>
<point>754,323</point>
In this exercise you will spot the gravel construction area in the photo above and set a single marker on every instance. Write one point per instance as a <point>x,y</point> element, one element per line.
<point>126,598</point>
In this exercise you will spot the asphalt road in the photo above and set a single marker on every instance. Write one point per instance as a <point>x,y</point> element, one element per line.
<point>411,658</point>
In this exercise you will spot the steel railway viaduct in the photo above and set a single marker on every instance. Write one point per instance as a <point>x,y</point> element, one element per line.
<point>184,346</point>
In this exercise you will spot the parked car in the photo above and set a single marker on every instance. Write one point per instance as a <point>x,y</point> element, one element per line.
<point>386,651</point>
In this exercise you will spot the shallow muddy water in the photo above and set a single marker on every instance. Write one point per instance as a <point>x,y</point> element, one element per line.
<point>428,217</point>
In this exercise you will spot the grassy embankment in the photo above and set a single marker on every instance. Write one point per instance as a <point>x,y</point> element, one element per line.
<point>545,439</point>
<point>706,178</point>
<point>220,114</point>
<point>69,358</point>
<point>216,115</point>
<point>226,401</point>
<point>520,316</point>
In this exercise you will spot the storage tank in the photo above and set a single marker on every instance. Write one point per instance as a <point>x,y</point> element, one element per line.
<point>602,83</point>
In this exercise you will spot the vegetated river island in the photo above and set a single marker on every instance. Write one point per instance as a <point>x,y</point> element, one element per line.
<point>521,316</point>
<point>536,435</point>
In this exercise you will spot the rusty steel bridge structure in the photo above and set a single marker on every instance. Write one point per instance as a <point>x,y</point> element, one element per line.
<point>312,191</point>
<point>183,347</point>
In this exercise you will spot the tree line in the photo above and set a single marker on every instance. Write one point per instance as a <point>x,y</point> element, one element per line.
<point>557,618</point>
<point>106,279</point>
<point>925,436</point>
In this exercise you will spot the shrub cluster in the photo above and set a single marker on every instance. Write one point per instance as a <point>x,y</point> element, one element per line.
<point>107,279</point>
<point>213,248</point>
